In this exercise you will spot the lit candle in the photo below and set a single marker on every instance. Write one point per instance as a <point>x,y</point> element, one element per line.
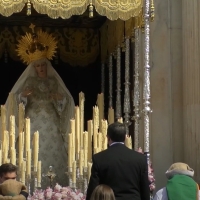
<point>39,174</point>
<point>77,129</point>
<point>81,105</point>
<point>90,133</point>
<point>27,124</point>
<point>36,150</point>
<point>28,168</point>
<point>70,150</point>
<point>110,115</point>
<point>81,162</point>
<point>74,172</point>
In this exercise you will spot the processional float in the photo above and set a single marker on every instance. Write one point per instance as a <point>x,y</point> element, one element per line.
<point>131,21</point>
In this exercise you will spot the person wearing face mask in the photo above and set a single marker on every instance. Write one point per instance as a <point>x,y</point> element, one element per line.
<point>48,103</point>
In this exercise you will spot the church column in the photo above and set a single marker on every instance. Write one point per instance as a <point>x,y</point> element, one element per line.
<point>191,84</point>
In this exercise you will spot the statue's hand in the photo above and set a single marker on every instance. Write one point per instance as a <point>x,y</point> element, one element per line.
<point>56,96</point>
<point>27,92</point>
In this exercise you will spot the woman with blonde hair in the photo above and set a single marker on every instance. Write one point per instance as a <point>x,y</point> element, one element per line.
<point>103,192</point>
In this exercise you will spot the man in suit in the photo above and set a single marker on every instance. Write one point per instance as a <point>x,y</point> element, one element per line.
<point>121,168</point>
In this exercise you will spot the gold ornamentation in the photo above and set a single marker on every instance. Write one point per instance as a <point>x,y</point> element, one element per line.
<point>152,14</point>
<point>116,9</point>
<point>78,47</point>
<point>36,46</point>
<point>8,7</point>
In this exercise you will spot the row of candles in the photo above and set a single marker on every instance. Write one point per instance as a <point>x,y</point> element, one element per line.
<point>8,153</point>
<point>83,144</point>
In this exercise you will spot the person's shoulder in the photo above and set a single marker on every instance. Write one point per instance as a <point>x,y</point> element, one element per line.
<point>100,155</point>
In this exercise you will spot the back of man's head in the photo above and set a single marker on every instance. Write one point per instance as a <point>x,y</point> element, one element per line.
<point>7,168</point>
<point>116,132</point>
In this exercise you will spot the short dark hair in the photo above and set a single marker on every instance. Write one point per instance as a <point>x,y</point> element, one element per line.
<point>116,132</point>
<point>7,168</point>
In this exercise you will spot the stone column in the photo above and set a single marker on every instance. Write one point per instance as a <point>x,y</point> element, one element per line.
<point>191,84</point>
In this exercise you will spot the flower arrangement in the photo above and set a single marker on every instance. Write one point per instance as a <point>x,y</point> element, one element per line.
<point>58,193</point>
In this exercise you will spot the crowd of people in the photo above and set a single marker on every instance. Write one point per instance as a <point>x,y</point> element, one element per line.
<point>118,173</point>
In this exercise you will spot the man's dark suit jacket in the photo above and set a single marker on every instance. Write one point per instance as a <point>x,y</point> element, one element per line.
<point>124,170</point>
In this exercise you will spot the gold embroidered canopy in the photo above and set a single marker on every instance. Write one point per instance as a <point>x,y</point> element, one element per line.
<point>112,9</point>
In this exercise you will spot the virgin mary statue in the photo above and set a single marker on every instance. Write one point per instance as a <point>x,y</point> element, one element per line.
<point>48,103</point>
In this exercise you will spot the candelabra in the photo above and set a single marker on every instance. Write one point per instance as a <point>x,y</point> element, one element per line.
<point>51,175</point>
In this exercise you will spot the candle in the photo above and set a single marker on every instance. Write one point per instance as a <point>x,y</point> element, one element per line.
<point>23,172</point>
<point>81,162</point>
<point>27,124</point>
<point>90,133</point>
<point>110,115</point>
<point>95,125</point>
<point>128,142</point>
<point>28,168</point>
<point>39,174</point>
<point>3,129</point>
<point>85,158</point>
<point>36,150</point>
<point>13,156</point>
<point>11,101</point>
<point>12,132</point>
<point>20,150</point>
<point>81,105</point>
<point>100,104</point>
<point>99,136</point>
<point>5,157</point>
<point>70,150</point>
<point>104,134</point>
<point>89,170</point>
<point>74,172</point>
<point>85,140</point>
<point>72,131</point>
<point>77,129</point>
<point>21,117</point>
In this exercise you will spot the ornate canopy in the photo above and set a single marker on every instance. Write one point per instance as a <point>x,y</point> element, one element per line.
<point>112,9</point>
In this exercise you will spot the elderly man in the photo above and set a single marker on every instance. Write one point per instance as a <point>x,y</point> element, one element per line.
<point>180,184</point>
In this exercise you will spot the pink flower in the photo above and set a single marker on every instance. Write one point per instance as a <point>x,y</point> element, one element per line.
<point>57,196</point>
<point>57,188</point>
<point>48,193</point>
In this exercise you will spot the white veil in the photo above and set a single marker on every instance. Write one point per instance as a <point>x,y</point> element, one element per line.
<point>51,72</point>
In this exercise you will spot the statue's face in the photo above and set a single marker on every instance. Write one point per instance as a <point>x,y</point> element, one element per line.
<point>41,69</point>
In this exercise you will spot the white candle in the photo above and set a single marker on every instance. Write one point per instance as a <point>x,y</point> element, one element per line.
<point>12,132</point>
<point>28,168</point>
<point>81,162</point>
<point>39,174</point>
<point>23,172</point>
<point>20,159</point>
<point>13,156</point>
<point>81,105</point>
<point>77,129</point>
<point>100,104</point>
<point>70,150</point>
<point>128,142</point>
<point>74,172</point>
<point>27,124</point>
<point>85,158</point>
<point>36,150</point>
<point>0,157</point>
<point>90,133</point>
<point>104,134</point>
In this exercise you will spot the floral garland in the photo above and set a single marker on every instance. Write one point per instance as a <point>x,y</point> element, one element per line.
<point>58,193</point>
